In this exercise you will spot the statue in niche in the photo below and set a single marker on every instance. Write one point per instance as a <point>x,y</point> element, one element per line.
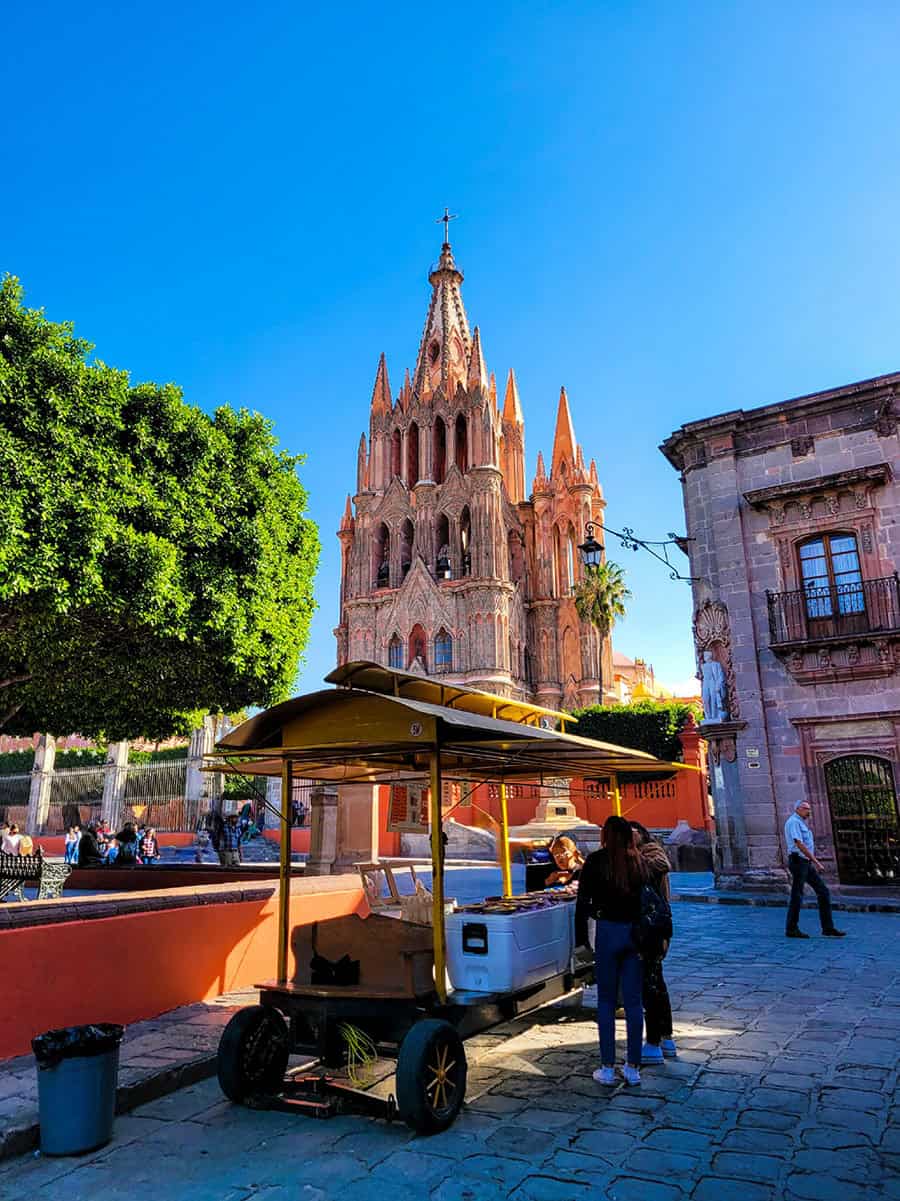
<point>712,633</point>
<point>714,689</point>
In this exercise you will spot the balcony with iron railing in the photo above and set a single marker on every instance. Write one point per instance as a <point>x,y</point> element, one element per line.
<point>834,613</point>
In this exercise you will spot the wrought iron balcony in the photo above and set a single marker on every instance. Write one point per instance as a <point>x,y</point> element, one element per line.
<point>837,612</point>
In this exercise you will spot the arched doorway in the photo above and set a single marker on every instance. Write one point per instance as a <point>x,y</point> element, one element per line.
<point>864,819</point>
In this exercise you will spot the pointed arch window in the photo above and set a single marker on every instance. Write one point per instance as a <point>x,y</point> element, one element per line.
<point>571,559</point>
<point>417,644</point>
<point>439,451</point>
<point>412,455</point>
<point>396,453</point>
<point>395,653</point>
<point>382,557</point>
<point>462,443</point>
<point>557,564</point>
<point>442,567</point>
<point>443,651</point>
<point>465,541</point>
<point>407,537</point>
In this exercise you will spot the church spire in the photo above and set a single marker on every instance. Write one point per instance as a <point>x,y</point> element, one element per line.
<point>362,466</point>
<point>381,393</point>
<point>512,409</point>
<point>347,519</point>
<point>564,438</point>
<point>446,346</point>
<point>477,370</point>
<point>541,484</point>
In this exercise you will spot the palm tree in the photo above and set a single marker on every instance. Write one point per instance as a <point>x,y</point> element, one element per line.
<point>600,596</point>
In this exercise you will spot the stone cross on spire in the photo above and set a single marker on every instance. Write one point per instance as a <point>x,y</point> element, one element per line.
<point>446,219</point>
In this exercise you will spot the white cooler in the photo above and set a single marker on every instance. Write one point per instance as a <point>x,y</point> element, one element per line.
<point>503,952</point>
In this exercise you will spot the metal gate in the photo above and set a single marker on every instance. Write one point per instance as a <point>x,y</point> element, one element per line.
<point>864,819</point>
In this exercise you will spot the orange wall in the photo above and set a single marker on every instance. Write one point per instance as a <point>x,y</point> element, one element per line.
<point>657,805</point>
<point>299,838</point>
<point>124,969</point>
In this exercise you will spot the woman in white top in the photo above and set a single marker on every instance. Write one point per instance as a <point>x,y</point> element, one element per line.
<point>11,840</point>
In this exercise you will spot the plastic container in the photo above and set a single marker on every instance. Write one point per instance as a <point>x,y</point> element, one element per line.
<point>503,952</point>
<point>77,1072</point>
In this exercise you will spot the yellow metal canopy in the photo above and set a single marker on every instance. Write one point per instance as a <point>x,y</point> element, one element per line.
<point>374,678</point>
<point>350,734</point>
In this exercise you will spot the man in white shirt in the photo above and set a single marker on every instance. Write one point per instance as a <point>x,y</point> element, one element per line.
<point>805,868</point>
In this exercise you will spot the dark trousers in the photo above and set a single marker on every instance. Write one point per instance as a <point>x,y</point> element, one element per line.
<point>803,873</point>
<point>617,961</point>
<point>657,1006</point>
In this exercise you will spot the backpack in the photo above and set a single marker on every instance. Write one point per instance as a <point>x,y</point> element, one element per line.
<point>127,852</point>
<point>654,925</point>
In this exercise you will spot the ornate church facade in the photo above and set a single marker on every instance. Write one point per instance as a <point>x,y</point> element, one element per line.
<point>448,567</point>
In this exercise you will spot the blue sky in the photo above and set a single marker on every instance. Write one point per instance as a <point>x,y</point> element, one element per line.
<point>674,210</point>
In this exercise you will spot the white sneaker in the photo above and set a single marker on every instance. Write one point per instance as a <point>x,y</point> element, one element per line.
<point>630,1075</point>
<point>605,1076</point>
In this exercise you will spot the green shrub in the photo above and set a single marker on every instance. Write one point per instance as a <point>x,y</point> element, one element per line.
<point>13,763</point>
<point>164,756</point>
<point>651,726</point>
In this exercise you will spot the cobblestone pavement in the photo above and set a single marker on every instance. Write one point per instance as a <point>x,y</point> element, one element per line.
<point>785,1087</point>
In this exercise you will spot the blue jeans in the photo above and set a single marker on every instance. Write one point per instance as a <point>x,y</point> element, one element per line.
<point>617,962</point>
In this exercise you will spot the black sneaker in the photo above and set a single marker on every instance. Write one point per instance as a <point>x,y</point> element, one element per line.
<point>795,934</point>
<point>834,933</point>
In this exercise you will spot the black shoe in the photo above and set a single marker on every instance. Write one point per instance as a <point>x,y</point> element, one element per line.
<point>832,933</point>
<point>795,934</point>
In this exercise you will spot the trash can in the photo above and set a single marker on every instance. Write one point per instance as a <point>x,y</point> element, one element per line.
<point>77,1071</point>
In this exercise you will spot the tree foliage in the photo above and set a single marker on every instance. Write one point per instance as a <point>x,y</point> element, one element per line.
<point>156,563</point>
<point>600,596</point>
<point>651,726</point>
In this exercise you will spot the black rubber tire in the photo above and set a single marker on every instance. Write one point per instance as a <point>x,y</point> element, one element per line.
<point>253,1054</point>
<point>427,1100</point>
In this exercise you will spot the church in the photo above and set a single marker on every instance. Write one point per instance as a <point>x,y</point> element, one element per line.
<point>448,567</point>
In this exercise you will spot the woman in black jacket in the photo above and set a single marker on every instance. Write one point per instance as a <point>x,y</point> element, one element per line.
<point>610,891</point>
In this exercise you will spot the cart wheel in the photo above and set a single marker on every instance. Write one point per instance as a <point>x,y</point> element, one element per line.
<point>253,1053</point>
<point>431,1076</point>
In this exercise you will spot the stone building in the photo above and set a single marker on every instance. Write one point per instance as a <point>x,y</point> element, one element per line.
<point>792,513</point>
<point>448,566</point>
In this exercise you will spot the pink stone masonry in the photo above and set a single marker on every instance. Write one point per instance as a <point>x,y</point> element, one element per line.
<point>446,566</point>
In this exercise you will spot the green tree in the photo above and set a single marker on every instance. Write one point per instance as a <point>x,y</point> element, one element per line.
<point>155,562</point>
<point>600,596</point>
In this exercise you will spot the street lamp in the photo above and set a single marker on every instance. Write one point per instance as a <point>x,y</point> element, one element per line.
<point>590,549</point>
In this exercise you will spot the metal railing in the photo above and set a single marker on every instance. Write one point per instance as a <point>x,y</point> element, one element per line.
<point>836,611</point>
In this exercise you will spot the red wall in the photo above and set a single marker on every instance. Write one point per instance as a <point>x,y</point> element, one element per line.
<point>125,969</point>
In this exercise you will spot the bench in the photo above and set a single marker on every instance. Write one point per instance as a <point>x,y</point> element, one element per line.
<point>17,870</point>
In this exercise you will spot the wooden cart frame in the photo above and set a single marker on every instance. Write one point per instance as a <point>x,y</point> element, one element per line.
<point>377,725</point>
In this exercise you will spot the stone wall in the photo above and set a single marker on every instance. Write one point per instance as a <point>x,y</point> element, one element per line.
<point>756,484</point>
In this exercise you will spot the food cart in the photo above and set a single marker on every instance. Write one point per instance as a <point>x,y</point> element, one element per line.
<point>381,980</point>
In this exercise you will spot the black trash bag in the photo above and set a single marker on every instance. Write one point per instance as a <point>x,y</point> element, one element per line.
<point>344,971</point>
<point>74,1042</point>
